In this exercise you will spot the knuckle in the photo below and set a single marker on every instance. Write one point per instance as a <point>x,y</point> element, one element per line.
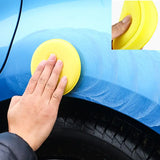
<point>49,85</point>
<point>118,27</point>
<point>56,97</point>
<point>49,64</point>
<point>41,80</point>
<point>57,72</point>
<point>49,114</point>
<point>122,27</point>
<point>33,80</point>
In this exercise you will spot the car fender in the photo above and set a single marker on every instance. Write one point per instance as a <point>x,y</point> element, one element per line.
<point>124,80</point>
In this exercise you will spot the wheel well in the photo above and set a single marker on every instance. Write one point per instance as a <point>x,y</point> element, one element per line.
<point>69,104</point>
<point>145,139</point>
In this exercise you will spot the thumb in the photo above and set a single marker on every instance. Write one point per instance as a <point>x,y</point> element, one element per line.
<point>14,101</point>
<point>121,27</point>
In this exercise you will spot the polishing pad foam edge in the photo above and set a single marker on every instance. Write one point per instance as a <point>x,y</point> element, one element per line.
<point>64,51</point>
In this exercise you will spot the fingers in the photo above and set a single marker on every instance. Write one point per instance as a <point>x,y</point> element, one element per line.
<point>45,75</point>
<point>121,27</point>
<point>44,81</point>
<point>53,80</point>
<point>58,93</point>
<point>34,79</point>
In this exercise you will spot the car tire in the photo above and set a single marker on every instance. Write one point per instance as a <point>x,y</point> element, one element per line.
<point>87,131</point>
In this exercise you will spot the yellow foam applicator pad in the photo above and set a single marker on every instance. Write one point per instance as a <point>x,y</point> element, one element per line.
<point>144,22</point>
<point>63,51</point>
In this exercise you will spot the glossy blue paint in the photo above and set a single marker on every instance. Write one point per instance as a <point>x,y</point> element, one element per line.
<point>9,12</point>
<point>127,81</point>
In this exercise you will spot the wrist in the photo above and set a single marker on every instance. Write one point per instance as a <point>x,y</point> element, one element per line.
<point>26,139</point>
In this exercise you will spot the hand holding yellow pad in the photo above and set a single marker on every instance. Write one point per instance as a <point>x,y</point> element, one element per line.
<point>66,53</point>
<point>144,22</point>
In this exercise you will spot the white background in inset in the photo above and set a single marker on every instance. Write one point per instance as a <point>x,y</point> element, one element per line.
<point>154,43</point>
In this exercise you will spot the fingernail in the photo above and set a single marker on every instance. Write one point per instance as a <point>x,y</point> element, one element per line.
<point>127,19</point>
<point>59,62</point>
<point>52,57</point>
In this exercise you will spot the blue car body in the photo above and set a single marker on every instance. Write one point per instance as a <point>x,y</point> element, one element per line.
<point>126,81</point>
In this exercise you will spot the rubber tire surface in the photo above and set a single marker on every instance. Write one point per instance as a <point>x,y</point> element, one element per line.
<point>87,131</point>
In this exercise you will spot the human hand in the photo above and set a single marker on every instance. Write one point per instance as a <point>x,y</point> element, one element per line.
<point>32,115</point>
<point>121,27</point>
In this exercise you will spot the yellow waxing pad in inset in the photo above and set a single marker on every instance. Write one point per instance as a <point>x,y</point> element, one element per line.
<point>66,53</point>
<point>144,22</point>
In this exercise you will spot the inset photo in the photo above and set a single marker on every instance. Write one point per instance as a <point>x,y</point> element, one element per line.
<point>135,24</point>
